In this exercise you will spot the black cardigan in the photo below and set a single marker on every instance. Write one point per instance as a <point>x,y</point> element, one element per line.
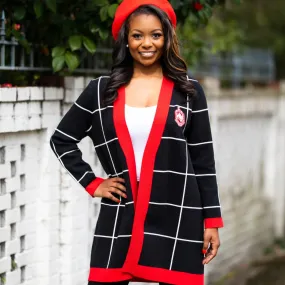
<point>155,234</point>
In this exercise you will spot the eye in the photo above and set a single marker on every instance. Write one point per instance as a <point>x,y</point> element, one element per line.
<point>136,36</point>
<point>157,35</point>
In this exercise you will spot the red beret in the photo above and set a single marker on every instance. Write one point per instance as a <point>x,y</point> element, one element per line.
<point>129,6</point>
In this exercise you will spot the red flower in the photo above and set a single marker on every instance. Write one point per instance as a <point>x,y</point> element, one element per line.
<point>198,6</point>
<point>17,27</point>
<point>7,85</point>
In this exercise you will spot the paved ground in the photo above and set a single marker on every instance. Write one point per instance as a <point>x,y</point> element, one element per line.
<point>273,275</point>
<point>266,271</point>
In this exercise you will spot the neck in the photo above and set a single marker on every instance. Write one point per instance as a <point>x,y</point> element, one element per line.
<point>154,70</point>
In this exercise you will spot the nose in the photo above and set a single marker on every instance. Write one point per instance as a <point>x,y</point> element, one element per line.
<point>147,42</point>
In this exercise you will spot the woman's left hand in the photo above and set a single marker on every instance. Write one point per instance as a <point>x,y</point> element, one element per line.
<point>211,244</point>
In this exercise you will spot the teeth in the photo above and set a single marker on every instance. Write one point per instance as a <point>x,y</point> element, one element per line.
<point>147,53</point>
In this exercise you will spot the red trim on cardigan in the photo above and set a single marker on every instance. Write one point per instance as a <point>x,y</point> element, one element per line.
<point>145,274</point>
<point>91,187</point>
<point>145,184</point>
<point>168,276</point>
<point>213,223</point>
<point>125,139</point>
<point>108,275</point>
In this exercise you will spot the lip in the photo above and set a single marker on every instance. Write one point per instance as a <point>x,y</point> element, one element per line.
<point>147,54</point>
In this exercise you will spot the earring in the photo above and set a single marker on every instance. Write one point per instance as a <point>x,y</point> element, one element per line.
<point>127,45</point>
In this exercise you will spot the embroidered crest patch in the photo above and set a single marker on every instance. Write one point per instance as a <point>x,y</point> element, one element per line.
<point>179,117</point>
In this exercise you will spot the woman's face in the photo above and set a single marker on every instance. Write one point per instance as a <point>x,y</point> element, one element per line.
<point>145,39</point>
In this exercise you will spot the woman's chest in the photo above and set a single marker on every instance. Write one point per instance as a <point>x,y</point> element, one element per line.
<point>143,94</point>
<point>173,114</point>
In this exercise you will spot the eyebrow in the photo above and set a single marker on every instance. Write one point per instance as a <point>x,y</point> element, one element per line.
<point>151,31</point>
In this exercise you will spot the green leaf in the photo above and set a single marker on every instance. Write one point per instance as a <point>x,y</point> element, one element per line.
<point>51,4</point>
<point>21,39</point>
<point>38,8</point>
<point>58,63</point>
<point>23,42</point>
<point>112,10</point>
<point>71,60</point>
<point>104,13</point>
<point>193,18</point>
<point>208,12</point>
<point>75,42</point>
<point>58,51</point>
<point>103,34</point>
<point>16,34</point>
<point>19,13</point>
<point>93,28</point>
<point>89,45</point>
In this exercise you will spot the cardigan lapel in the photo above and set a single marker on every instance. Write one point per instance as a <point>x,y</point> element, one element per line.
<point>153,139</point>
<point>125,139</point>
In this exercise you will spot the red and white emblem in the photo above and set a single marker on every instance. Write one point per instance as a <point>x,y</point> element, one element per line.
<point>179,117</point>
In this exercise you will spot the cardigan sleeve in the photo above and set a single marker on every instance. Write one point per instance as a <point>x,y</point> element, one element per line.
<point>200,146</point>
<point>73,127</point>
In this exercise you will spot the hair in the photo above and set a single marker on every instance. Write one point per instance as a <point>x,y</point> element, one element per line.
<point>173,66</point>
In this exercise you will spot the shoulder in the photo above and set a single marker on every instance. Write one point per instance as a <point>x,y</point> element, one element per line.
<point>96,86</point>
<point>191,79</point>
<point>197,86</point>
<point>89,95</point>
<point>99,81</point>
<point>199,97</point>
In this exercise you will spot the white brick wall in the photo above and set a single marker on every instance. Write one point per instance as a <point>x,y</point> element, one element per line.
<point>19,197</point>
<point>47,220</point>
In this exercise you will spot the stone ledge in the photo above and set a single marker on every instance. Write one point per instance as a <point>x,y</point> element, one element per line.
<point>53,93</point>
<point>8,94</point>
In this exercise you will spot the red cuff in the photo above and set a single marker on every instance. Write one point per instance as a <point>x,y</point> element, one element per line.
<point>213,223</point>
<point>91,187</point>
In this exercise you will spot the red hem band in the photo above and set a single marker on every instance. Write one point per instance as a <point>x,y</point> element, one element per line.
<point>213,223</point>
<point>168,276</point>
<point>91,187</point>
<point>147,274</point>
<point>108,275</point>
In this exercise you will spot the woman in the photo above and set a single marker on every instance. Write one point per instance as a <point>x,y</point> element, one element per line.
<point>149,124</point>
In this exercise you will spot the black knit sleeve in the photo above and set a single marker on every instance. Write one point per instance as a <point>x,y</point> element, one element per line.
<point>71,130</point>
<point>201,150</point>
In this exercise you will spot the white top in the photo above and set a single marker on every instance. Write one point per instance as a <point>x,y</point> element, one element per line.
<point>139,122</point>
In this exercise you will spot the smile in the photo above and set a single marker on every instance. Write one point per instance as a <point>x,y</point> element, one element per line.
<point>147,53</point>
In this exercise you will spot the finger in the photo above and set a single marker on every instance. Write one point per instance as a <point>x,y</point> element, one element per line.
<point>115,190</point>
<point>118,179</point>
<point>209,257</point>
<point>212,252</point>
<point>119,186</point>
<point>112,197</point>
<point>205,244</point>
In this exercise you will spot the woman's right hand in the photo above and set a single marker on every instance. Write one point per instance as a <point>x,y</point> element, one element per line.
<point>110,186</point>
